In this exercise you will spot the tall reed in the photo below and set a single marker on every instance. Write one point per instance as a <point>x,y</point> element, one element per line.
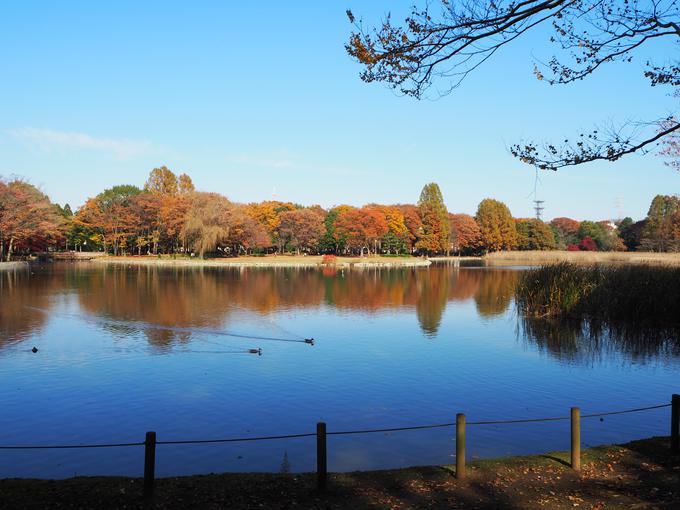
<point>648,295</point>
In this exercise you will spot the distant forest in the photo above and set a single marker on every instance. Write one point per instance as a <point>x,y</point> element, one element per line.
<point>168,216</point>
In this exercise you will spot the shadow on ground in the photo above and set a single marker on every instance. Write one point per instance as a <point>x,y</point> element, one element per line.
<point>638,475</point>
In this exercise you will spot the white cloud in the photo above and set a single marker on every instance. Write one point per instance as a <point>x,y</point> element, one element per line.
<point>48,140</point>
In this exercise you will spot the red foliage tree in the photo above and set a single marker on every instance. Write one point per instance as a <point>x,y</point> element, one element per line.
<point>588,244</point>
<point>302,229</point>
<point>466,237</point>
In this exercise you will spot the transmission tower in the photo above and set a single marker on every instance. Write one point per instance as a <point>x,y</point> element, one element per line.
<point>539,208</point>
<point>619,207</point>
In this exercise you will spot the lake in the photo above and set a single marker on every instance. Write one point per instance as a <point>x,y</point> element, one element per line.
<point>126,350</point>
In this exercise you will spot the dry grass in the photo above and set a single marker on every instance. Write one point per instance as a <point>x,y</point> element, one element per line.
<point>510,258</point>
<point>644,294</point>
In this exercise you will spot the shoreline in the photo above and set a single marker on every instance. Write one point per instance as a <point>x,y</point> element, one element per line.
<point>268,262</point>
<point>639,474</point>
<point>14,266</point>
<point>496,259</point>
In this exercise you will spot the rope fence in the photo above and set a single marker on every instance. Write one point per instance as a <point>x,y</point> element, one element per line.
<point>460,424</point>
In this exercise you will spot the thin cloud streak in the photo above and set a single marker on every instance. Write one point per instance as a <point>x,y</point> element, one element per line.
<point>50,140</point>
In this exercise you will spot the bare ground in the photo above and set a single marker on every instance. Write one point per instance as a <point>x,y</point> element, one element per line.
<point>638,475</point>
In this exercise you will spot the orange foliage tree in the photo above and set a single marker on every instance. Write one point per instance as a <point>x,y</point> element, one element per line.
<point>413,223</point>
<point>497,225</point>
<point>28,220</point>
<point>110,215</point>
<point>360,228</point>
<point>302,229</point>
<point>466,237</point>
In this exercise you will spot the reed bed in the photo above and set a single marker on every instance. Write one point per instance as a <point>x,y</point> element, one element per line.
<point>505,258</point>
<point>645,295</point>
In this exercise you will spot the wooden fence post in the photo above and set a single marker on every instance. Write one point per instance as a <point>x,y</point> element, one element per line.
<point>321,457</point>
<point>460,446</point>
<point>149,463</point>
<point>675,423</point>
<point>576,438</point>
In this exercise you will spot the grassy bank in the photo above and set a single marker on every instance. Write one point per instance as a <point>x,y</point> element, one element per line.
<point>641,294</point>
<point>641,474</point>
<point>513,258</point>
<point>268,261</point>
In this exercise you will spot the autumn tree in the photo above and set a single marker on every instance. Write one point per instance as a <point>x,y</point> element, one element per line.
<point>172,216</point>
<point>631,232</point>
<point>110,215</point>
<point>496,225</point>
<point>163,181</point>
<point>434,237</point>
<point>360,228</point>
<point>662,229</point>
<point>185,184</point>
<point>302,229</point>
<point>28,220</point>
<point>599,232</point>
<point>207,222</point>
<point>588,244</point>
<point>413,223</point>
<point>567,231</point>
<point>450,41</point>
<point>395,240</point>
<point>466,237</point>
<point>146,220</point>
<point>245,234</point>
<point>533,234</point>
<point>267,214</point>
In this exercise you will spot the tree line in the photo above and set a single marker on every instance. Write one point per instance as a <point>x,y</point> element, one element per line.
<point>168,216</point>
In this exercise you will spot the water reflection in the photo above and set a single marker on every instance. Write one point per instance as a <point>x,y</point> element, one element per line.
<point>20,300</point>
<point>175,299</point>
<point>169,306</point>
<point>588,341</point>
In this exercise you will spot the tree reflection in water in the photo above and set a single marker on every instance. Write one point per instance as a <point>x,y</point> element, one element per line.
<point>22,300</point>
<point>169,305</point>
<point>589,341</point>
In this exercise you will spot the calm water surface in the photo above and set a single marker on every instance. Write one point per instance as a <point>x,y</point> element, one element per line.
<point>123,351</point>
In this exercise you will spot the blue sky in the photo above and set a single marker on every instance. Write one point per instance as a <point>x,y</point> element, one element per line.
<point>255,99</point>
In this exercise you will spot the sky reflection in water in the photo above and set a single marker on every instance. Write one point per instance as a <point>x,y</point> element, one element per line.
<point>123,351</point>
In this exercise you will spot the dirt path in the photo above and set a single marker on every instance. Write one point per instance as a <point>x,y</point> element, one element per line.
<point>638,475</point>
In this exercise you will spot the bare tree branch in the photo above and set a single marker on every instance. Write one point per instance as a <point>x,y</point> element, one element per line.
<point>449,44</point>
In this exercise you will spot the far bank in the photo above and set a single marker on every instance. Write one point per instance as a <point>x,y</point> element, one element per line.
<point>497,259</point>
<point>269,261</point>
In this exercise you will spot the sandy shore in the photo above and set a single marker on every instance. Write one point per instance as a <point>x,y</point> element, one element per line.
<point>269,261</point>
